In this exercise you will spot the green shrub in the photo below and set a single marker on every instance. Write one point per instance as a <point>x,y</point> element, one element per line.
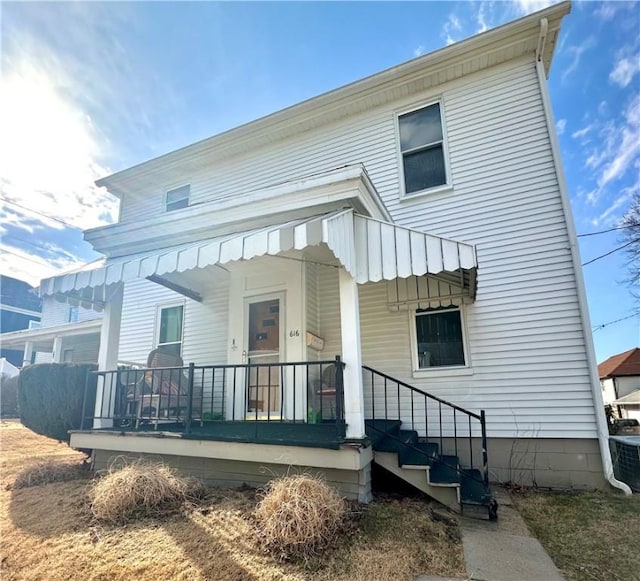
<point>50,397</point>
<point>8,396</point>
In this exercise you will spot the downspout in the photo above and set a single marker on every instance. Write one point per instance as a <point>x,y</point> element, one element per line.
<point>601,421</point>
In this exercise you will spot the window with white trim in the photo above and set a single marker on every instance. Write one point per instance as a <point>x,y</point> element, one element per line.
<point>439,338</point>
<point>422,149</point>
<point>72,315</point>
<point>170,328</point>
<point>178,198</point>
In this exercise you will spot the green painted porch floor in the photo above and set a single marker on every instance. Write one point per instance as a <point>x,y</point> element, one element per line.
<point>322,435</point>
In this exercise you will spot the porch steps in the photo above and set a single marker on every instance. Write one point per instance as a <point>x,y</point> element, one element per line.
<point>420,463</point>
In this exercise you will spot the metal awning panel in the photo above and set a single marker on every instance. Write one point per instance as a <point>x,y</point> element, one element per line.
<point>370,250</point>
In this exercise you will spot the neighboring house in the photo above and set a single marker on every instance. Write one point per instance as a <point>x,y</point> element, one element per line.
<point>620,383</point>
<point>20,308</point>
<point>69,331</point>
<point>416,224</point>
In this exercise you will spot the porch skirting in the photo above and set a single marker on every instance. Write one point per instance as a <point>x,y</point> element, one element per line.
<point>234,464</point>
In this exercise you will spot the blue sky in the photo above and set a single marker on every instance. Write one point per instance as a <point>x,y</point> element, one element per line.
<point>90,88</point>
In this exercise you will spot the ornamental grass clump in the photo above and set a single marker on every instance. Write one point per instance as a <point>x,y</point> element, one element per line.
<point>141,489</point>
<point>48,472</point>
<point>298,516</point>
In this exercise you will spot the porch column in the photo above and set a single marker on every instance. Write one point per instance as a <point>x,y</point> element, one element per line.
<point>56,354</point>
<point>28,353</point>
<point>350,329</point>
<point>108,356</point>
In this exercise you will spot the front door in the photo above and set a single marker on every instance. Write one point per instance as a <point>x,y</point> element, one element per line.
<point>264,382</point>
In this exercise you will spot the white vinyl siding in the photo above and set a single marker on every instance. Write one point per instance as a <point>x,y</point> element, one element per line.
<point>57,313</point>
<point>524,334</point>
<point>204,325</point>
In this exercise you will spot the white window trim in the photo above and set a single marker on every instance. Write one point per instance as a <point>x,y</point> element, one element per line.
<point>442,188</point>
<point>156,334</point>
<point>173,189</point>
<point>445,371</point>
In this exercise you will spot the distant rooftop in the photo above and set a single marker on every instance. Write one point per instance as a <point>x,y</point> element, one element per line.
<point>627,363</point>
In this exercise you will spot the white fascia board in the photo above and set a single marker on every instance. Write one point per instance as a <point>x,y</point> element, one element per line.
<point>348,186</point>
<point>19,338</point>
<point>501,42</point>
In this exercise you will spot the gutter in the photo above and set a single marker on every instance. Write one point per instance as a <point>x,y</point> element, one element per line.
<point>601,422</point>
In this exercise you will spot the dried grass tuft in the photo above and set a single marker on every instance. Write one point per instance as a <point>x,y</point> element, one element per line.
<point>48,472</point>
<point>298,516</point>
<point>141,489</point>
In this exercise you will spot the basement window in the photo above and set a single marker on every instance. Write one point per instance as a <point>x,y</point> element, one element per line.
<point>178,198</point>
<point>422,149</point>
<point>440,338</point>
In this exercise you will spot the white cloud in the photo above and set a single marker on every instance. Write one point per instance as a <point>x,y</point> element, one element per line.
<point>625,69</point>
<point>614,149</point>
<point>23,264</point>
<point>49,151</point>
<point>419,51</point>
<point>582,132</point>
<point>577,51</point>
<point>625,144</point>
<point>528,6</point>
<point>560,126</point>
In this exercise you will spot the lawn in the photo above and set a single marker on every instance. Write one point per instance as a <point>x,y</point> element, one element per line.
<point>48,532</point>
<point>590,536</point>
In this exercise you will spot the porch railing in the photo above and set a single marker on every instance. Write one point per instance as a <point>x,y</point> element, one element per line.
<point>292,392</point>
<point>457,431</point>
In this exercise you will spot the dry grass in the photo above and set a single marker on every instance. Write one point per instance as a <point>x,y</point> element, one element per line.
<point>299,516</point>
<point>48,532</point>
<point>140,489</point>
<point>50,471</point>
<point>590,536</point>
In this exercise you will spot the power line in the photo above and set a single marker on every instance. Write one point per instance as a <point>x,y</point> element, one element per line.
<point>598,327</point>
<point>609,230</point>
<point>40,214</point>
<point>611,251</point>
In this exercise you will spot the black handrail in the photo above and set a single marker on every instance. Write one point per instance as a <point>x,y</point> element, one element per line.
<point>209,393</point>
<point>402,411</point>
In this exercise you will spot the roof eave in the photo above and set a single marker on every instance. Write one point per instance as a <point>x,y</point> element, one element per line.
<point>333,99</point>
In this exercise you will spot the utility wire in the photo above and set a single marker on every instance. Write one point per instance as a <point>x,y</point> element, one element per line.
<point>609,230</point>
<point>40,213</point>
<point>598,327</point>
<point>635,240</point>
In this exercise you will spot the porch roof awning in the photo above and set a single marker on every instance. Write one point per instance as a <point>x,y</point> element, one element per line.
<point>370,250</point>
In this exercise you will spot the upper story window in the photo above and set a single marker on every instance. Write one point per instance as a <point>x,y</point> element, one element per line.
<point>422,149</point>
<point>170,329</point>
<point>72,315</point>
<point>439,337</point>
<point>178,198</point>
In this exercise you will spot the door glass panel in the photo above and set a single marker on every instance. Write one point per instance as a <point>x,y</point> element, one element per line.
<point>263,382</point>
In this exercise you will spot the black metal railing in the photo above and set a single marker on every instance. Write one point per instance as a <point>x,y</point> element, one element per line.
<point>457,431</point>
<point>292,392</point>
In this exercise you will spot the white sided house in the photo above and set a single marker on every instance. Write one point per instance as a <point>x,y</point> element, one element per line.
<point>68,330</point>
<point>387,273</point>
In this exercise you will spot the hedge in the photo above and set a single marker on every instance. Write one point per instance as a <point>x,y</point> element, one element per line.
<point>8,396</point>
<point>50,397</point>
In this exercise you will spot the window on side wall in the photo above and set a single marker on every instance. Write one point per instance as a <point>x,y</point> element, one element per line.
<point>440,338</point>
<point>72,316</point>
<point>170,329</point>
<point>178,198</point>
<point>422,149</point>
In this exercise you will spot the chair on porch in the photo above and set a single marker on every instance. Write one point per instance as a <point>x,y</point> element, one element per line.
<point>165,391</point>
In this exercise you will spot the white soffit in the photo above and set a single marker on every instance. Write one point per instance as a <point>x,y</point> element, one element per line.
<point>370,250</point>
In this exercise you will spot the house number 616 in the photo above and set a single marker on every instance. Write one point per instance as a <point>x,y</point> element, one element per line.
<point>294,333</point>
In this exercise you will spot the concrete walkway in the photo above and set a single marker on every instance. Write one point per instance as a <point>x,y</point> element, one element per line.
<point>503,550</point>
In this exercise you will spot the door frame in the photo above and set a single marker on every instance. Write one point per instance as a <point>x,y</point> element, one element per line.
<point>249,300</point>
